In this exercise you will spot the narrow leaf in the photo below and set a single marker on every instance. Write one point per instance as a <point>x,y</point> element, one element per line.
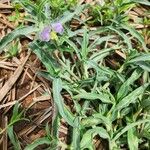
<point>84,45</point>
<point>76,135</point>
<point>132,139</point>
<point>124,89</point>
<point>87,138</point>
<point>93,96</point>
<point>124,36</point>
<point>13,138</point>
<point>128,127</point>
<point>144,2</point>
<point>38,142</point>
<point>142,57</point>
<point>131,98</point>
<point>135,34</point>
<point>23,31</point>
<point>64,112</point>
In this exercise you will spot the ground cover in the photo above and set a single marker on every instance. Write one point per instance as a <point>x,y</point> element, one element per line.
<point>74,74</point>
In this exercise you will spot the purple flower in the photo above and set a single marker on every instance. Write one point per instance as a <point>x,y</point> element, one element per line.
<point>45,34</point>
<point>57,27</point>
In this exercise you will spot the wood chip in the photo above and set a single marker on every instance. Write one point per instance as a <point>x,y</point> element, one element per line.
<point>42,98</point>
<point>5,6</point>
<point>7,23</point>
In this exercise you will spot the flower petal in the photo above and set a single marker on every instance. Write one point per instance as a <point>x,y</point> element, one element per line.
<point>57,27</point>
<point>45,34</point>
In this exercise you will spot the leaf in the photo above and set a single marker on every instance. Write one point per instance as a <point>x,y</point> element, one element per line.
<point>45,75</point>
<point>13,138</point>
<point>90,121</point>
<point>38,142</point>
<point>67,16</point>
<point>100,40</point>
<point>71,33</point>
<point>124,89</point>
<point>76,134</point>
<point>95,120</point>
<point>128,127</point>
<point>144,2</point>
<point>98,31</point>
<point>135,34</point>
<point>100,69</point>
<point>141,57</point>
<point>73,46</point>
<point>88,136</point>
<point>15,112</point>
<point>145,103</point>
<point>47,129</point>
<point>101,54</point>
<point>130,98</point>
<point>84,45</point>
<point>146,134</point>
<point>56,125</point>
<point>23,31</point>
<point>13,49</point>
<point>50,64</point>
<point>32,9</point>
<point>105,120</point>
<point>16,116</point>
<point>64,112</point>
<point>132,139</point>
<point>144,65</point>
<point>15,17</point>
<point>124,36</point>
<point>125,6</point>
<point>93,96</point>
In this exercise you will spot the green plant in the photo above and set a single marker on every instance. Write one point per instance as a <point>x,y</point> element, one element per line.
<point>86,79</point>
<point>16,117</point>
<point>109,101</point>
<point>111,12</point>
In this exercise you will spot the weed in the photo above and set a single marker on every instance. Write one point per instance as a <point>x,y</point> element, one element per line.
<point>108,101</point>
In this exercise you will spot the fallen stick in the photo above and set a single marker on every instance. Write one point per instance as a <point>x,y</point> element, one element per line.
<point>12,80</point>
